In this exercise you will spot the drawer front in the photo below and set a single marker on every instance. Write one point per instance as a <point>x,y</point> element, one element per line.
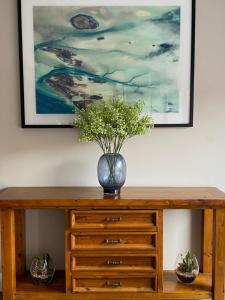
<point>113,263</point>
<point>129,220</point>
<point>117,284</point>
<point>102,240</point>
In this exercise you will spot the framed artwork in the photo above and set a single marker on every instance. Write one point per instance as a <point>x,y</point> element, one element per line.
<point>76,52</point>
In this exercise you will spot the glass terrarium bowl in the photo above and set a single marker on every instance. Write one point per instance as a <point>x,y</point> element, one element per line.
<point>187,267</point>
<point>42,269</point>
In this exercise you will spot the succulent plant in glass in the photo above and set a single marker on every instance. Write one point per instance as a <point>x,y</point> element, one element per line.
<point>109,123</point>
<point>187,267</point>
<point>42,269</point>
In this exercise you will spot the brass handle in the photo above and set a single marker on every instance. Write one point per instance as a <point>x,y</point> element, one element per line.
<point>113,241</point>
<point>113,284</point>
<point>114,263</point>
<point>111,220</point>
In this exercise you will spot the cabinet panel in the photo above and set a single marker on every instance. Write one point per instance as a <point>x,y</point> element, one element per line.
<point>113,263</point>
<point>117,284</point>
<point>118,220</point>
<point>111,240</point>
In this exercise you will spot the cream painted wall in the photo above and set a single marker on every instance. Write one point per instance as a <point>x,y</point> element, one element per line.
<point>166,157</point>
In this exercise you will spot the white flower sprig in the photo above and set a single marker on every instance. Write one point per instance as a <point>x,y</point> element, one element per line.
<point>110,123</point>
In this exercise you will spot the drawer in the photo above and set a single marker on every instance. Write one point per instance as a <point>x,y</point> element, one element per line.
<point>111,240</point>
<point>113,263</point>
<point>117,284</point>
<point>120,220</point>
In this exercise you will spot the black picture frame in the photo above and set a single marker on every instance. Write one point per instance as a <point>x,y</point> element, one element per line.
<point>159,125</point>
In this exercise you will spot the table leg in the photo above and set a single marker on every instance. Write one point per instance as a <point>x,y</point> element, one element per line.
<point>207,238</point>
<point>67,253</point>
<point>160,251</point>
<point>20,241</point>
<point>8,254</point>
<point>218,255</point>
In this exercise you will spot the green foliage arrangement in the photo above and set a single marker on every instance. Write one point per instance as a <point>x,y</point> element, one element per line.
<point>188,264</point>
<point>110,123</point>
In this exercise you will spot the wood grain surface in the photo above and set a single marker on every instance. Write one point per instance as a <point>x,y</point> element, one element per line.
<point>20,241</point>
<point>201,290</point>
<point>218,258</point>
<point>130,198</point>
<point>89,205</point>
<point>8,254</point>
<point>207,238</point>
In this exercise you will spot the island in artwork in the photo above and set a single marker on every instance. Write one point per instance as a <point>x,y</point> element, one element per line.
<point>85,54</point>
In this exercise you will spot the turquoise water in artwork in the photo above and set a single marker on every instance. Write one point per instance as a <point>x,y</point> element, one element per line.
<point>84,54</point>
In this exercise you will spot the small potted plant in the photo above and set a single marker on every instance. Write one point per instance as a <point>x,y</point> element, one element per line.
<point>42,269</point>
<point>187,267</point>
<point>109,123</point>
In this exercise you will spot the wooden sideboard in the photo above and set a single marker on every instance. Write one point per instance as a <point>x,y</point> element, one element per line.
<point>113,245</point>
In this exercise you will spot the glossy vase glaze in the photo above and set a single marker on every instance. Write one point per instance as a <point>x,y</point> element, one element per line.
<point>112,172</point>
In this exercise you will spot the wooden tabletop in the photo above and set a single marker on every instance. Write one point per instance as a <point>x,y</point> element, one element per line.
<point>130,197</point>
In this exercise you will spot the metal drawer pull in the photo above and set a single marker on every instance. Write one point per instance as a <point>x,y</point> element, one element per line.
<point>113,241</point>
<point>109,220</point>
<point>114,263</point>
<point>113,284</point>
